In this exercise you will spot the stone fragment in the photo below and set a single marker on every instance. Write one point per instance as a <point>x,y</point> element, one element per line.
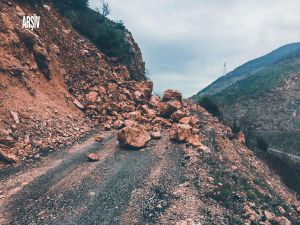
<point>99,138</point>
<point>15,117</point>
<point>155,135</point>
<point>92,157</point>
<point>78,104</point>
<point>92,96</point>
<point>154,100</point>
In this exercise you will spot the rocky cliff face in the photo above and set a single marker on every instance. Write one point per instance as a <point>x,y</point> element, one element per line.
<point>262,98</point>
<point>136,64</point>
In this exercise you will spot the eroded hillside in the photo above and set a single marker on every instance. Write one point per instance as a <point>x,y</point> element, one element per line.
<point>50,80</point>
<point>148,160</point>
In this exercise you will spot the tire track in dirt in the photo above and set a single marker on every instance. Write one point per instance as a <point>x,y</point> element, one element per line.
<point>55,175</point>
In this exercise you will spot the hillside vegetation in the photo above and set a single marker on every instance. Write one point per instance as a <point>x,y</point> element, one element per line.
<point>255,76</point>
<point>110,37</point>
<point>262,98</point>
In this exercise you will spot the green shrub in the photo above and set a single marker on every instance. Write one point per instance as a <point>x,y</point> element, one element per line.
<point>262,144</point>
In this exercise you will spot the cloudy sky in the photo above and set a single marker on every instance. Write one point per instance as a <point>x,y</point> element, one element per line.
<point>185,43</point>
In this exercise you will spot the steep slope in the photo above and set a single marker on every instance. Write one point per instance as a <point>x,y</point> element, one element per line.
<point>111,37</point>
<point>263,66</point>
<point>218,182</point>
<point>50,80</point>
<point>56,87</point>
<point>263,98</point>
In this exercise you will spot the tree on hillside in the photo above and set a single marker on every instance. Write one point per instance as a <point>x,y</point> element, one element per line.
<point>105,9</point>
<point>103,12</point>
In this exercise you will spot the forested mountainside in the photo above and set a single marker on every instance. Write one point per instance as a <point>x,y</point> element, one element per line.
<point>262,97</point>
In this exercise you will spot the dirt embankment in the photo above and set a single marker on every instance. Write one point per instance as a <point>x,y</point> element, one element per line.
<point>55,86</point>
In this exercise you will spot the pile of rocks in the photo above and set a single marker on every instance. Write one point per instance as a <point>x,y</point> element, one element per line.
<point>138,127</point>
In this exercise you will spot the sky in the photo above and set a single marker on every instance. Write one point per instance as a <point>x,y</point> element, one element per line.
<point>185,43</point>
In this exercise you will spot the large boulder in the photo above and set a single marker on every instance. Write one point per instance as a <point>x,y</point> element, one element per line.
<point>180,133</point>
<point>78,104</point>
<point>134,136</point>
<point>185,120</point>
<point>136,115</point>
<point>172,95</point>
<point>166,109</point>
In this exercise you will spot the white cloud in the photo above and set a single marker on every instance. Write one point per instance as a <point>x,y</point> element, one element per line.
<point>191,39</point>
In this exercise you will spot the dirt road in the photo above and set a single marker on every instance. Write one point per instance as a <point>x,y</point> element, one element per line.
<point>124,187</point>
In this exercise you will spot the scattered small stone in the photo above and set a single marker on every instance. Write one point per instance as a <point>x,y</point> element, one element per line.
<point>155,135</point>
<point>99,138</point>
<point>92,157</point>
<point>78,104</point>
<point>15,117</point>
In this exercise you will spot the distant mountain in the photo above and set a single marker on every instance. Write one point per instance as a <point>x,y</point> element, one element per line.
<point>262,98</point>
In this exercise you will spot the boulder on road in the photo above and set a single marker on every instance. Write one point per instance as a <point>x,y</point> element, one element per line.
<point>134,136</point>
<point>172,95</point>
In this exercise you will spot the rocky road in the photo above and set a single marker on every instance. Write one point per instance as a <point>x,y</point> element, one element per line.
<point>123,187</point>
